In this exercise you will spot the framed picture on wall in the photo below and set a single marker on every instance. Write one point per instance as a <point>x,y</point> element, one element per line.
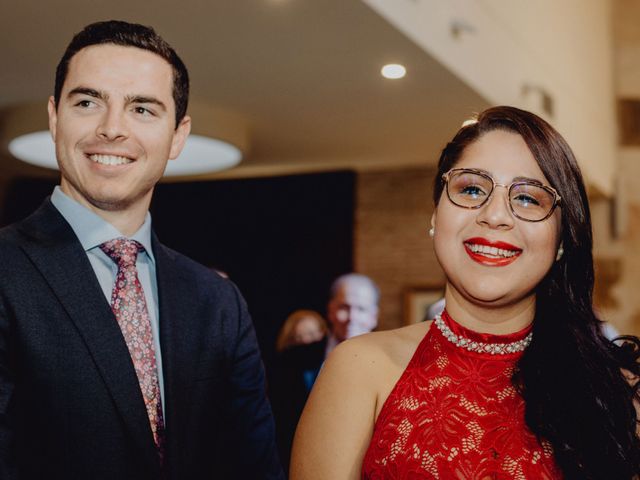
<point>417,301</point>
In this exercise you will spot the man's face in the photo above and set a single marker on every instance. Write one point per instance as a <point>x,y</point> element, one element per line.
<point>353,310</point>
<point>114,127</point>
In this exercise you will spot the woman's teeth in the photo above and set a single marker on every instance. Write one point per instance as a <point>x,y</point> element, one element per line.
<point>491,251</point>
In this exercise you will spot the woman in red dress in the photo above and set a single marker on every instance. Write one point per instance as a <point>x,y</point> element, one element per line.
<point>514,380</point>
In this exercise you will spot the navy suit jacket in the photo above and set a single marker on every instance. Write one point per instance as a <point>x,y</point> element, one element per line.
<point>70,403</point>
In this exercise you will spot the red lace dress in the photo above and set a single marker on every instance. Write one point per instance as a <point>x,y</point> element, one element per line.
<point>455,415</point>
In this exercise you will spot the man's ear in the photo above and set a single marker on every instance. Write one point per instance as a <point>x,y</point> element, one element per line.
<point>53,117</point>
<point>180,137</point>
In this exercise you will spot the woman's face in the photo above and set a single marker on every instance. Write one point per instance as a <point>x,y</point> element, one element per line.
<point>307,331</point>
<point>466,239</point>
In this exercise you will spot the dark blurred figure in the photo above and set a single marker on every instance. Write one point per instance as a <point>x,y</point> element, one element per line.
<point>352,310</point>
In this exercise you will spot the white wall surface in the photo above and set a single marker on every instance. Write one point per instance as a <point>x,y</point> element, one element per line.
<point>563,47</point>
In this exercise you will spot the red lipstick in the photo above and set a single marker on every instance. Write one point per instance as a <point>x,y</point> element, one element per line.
<point>491,253</point>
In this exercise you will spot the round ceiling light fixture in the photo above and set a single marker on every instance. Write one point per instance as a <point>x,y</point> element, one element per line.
<point>393,71</point>
<point>219,139</point>
<point>200,154</point>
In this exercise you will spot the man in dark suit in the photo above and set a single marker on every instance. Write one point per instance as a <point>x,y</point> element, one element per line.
<point>120,358</point>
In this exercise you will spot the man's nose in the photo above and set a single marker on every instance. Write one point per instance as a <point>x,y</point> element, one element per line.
<point>113,125</point>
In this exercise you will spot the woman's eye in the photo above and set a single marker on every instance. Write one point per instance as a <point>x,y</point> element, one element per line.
<point>526,200</point>
<point>472,190</point>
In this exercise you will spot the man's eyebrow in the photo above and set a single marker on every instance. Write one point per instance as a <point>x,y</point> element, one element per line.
<point>88,91</point>
<point>143,99</point>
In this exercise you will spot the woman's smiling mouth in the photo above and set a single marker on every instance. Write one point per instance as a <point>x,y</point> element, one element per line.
<point>492,254</point>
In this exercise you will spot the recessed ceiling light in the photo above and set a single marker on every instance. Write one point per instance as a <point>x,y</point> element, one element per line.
<point>200,154</point>
<point>393,71</point>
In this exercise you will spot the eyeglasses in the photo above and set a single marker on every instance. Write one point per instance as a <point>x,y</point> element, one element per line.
<point>529,201</point>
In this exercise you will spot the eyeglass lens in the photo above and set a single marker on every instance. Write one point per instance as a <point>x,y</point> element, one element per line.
<point>471,190</point>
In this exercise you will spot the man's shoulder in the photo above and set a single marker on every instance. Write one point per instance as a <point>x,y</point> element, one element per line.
<point>184,263</point>
<point>43,225</point>
<point>14,236</point>
<point>12,257</point>
<point>10,235</point>
<point>200,277</point>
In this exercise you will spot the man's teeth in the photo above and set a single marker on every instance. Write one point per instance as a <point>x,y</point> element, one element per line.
<point>110,159</point>
<point>494,251</point>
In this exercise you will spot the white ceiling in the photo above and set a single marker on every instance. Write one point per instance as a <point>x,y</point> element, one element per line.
<point>304,75</point>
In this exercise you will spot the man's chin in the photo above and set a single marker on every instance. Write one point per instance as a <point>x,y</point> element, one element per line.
<point>115,203</point>
<point>110,204</point>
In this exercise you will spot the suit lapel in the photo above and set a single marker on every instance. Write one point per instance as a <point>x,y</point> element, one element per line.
<point>178,340</point>
<point>56,252</point>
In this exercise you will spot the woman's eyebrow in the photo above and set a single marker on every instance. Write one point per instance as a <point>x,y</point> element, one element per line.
<point>528,180</point>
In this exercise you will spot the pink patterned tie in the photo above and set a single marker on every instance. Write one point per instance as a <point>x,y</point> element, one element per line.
<point>130,308</point>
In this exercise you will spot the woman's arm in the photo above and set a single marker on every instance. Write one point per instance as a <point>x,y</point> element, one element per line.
<point>336,425</point>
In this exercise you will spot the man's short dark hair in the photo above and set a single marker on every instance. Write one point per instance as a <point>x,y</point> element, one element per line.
<point>128,35</point>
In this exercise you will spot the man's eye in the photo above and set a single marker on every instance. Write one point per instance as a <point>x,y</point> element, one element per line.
<point>85,103</point>
<point>143,111</point>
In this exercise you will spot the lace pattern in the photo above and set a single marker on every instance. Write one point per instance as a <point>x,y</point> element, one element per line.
<point>455,415</point>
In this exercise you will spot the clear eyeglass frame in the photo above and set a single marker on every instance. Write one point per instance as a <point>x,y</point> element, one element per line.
<point>556,197</point>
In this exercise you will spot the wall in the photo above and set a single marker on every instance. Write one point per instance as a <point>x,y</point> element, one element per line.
<point>507,50</point>
<point>391,243</point>
<point>617,221</point>
<point>622,248</point>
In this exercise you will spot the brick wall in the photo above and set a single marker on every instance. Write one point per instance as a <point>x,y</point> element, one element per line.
<point>393,213</point>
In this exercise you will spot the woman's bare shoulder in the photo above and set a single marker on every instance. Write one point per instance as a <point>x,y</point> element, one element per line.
<point>389,344</point>
<point>384,353</point>
<point>345,402</point>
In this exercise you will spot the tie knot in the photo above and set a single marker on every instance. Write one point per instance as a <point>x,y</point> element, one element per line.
<point>122,251</point>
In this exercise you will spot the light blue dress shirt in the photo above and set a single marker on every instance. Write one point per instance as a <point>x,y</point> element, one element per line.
<point>92,231</point>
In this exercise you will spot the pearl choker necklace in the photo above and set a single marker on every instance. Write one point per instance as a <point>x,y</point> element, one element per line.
<point>480,347</point>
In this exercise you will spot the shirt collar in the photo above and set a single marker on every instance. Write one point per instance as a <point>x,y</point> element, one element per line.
<point>91,229</point>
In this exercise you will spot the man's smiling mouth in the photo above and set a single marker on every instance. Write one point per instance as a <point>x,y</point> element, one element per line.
<point>110,159</point>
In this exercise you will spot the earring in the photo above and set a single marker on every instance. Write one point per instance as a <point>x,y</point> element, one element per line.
<point>560,253</point>
<point>432,232</point>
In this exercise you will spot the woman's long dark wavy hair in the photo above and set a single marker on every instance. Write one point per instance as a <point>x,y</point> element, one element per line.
<point>579,388</point>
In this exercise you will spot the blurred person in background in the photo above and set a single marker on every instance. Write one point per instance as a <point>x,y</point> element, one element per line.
<point>302,327</point>
<point>352,310</point>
